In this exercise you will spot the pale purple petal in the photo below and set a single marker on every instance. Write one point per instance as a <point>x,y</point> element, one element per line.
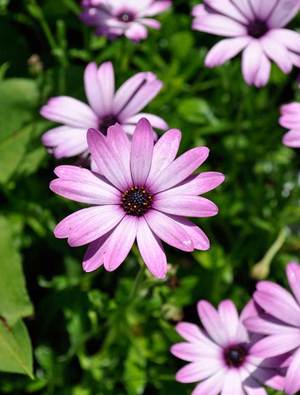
<point>293,377</point>
<point>84,187</point>
<point>197,371</point>
<point>93,89</point>
<point>264,326</point>
<point>251,61</point>
<point>278,302</point>
<point>226,7</point>
<point>192,333</point>
<point>106,78</point>
<point>69,111</point>
<point>293,275</point>
<point>151,250</point>
<point>244,7</point>
<point>136,32</point>
<point>149,22</point>
<point>164,152</point>
<point>169,230</point>
<point>180,169</point>
<point>187,352</point>
<point>225,50</point>
<point>66,141</point>
<point>110,164</point>
<point>189,206</point>
<point>141,152</point>
<point>88,224</point>
<point>277,52</point>
<point>156,122</point>
<point>211,386</point>
<point>275,345</point>
<point>93,258</point>
<point>119,244</point>
<point>289,38</point>
<point>292,139</point>
<point>232,383</point>
<point>263,9</point>
<point>212,323</point>
<point>219,25</point>
<point>198,237</point>
<point>230,319</point>
<point>157,7</point>
<point>283,13</point>
<point>263,73</point>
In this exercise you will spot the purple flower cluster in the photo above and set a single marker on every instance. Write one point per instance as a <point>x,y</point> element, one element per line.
<point>234,355</point>
<point>137,189</point>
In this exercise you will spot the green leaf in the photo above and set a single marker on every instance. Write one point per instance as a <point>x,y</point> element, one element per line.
<point>18,98</point>
<point>15,349</point>
<point>196,111</point>
<point>135,368</point>
<point>14,300</point>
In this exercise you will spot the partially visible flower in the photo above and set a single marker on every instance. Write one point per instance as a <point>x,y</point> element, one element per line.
<point>220,354</point>
<point>290,119</point>
<point>143,194</point>
<point>255,27</point>
<point>106,107</point>
<point>280,323</point>
<point>113,18</point>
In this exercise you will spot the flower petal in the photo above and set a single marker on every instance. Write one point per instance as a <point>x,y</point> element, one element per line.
<point>232,383</point>
<point>219,25</point>
<point>151,250</point>
<point>230,319</point>
<point>178,170</point>
<point>136,32</point>
<point>198,237</point>
<point>212,323</point>
<point>141,152</point>
<point>93,89</point>
<point>188,206</point>
<point>293,275</point>
<point>293,378</point>
<point>211,386</point>
<point>251,61</point>
<point>157,7</point>
<point>225,50</point>
<point>225,7</point>
<point>119,244</point>
<point>69,111</point>
<point>156,122</point>
<point>292,139</point>
<point>106,77</point>
<point>275,345</point>
<point>169,230</point>
<point>93,258</point>
<point>283,13</point>
<point>277,52</point>
<point>109,163</point>
<point>198,371</point>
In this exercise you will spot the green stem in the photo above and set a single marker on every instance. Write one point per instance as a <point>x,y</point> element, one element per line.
<point>136,285</point>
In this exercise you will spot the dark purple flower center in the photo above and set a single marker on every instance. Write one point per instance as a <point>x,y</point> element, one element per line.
<point>106,122</point>
<point>126,16</point>
<point>235,356</point>
<point>257,28</point>
<point>136,201</point>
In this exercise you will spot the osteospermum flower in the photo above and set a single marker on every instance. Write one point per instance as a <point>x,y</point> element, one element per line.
<point>255,27</point>
<point>113,18</point>
<point>143,193</point>
<point>106,107</point>
<point>290,119</point>
<point>220,356</point>
<point>280,323</point>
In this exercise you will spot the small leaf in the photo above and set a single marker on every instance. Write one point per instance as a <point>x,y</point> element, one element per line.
<point>14,300</point>
<point>15,349</point>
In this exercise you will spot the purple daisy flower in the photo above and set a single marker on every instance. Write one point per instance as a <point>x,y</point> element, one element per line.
<point>280,323</point>
<point>220,354</point>
<point>290,119</point>
<point>255,27</point>
<point>143,193</point>
<point>106,107</point>
<point>113,18</point>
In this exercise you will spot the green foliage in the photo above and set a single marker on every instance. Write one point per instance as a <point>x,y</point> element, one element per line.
<point>107,333</point>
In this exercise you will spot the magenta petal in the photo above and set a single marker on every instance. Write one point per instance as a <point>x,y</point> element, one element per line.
<point>136,32</point>
<point>119,144</point>
<point>275,345</point>
<point>119,244</point>
<point>93,257</point>
<point>197,371</point>
<point>211,321</point>
<point>198,237</point>
<point>230,319</point>
<point>186,351</point>
<point>293,378</point>
<point>141,152</point>
<point>292,139</point>
<point>189,206</point>
<point>191,332</point>
<point>156,122</point>
<point>151,250</point>
<point>108,161</point>
<point>180,169</point>
<point>169,230</point>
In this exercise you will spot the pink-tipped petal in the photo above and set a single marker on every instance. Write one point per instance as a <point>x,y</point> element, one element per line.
<point>198,371</point>
<point>151,250</point>
<point>141,152</point>
<point>292,139</point>
<point>119,244</point>
<point>198,237</point>
<point>93,258</point>
<point>180,169</point>
<point>275,345</point>
<point>211,386</point>
<point>169,230</point>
